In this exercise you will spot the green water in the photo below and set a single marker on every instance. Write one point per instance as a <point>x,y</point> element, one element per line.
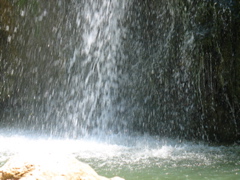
<point>136,158</point>
<point>226,170</point>
<point>169,159</point>
<point>223,171</point>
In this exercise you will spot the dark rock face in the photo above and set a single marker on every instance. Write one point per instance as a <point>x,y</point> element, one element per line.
<point>179,73</point>
<point>194,53</point>
<point>220,77</point>
<point>6,31</point>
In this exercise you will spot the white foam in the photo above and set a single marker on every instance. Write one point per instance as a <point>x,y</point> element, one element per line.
<point>118,150</point>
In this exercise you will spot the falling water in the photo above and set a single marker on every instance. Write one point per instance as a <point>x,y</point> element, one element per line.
<point>93,70</point>
<point>110,82</point>
<point>73,66</point>
<point>121,66</point>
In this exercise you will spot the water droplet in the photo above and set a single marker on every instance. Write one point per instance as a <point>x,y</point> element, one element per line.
<point>22,13</point>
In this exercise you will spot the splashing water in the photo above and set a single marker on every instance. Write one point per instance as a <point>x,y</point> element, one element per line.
<point>136,157</point>
<point>74,72</point>
<point>83,82</point>
<point>94,83</point>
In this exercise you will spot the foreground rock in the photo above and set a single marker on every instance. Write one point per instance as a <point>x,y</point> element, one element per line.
<point>48,167</point>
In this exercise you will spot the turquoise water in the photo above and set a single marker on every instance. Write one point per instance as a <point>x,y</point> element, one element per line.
<point>153,172</point>
<point>135,157</point>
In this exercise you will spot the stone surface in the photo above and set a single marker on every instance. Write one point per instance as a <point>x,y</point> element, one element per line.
<point>48,167</point>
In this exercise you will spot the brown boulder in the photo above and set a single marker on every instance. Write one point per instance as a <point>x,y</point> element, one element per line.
<point>48,167</point>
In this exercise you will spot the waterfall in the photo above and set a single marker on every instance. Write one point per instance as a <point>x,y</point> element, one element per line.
<point>93,71</point>
<point>141,89</point>
<point>71,58</point>
<point>168,68</point>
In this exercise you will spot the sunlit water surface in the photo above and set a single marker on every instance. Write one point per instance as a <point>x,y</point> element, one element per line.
<point>133,157</point>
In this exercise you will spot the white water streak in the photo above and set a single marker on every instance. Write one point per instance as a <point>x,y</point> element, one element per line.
<point>97,55</point>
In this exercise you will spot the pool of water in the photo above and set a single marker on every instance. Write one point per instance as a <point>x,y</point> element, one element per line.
<point>133,157</point>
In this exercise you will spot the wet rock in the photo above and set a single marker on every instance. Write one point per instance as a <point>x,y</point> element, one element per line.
<point>48,167</point>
